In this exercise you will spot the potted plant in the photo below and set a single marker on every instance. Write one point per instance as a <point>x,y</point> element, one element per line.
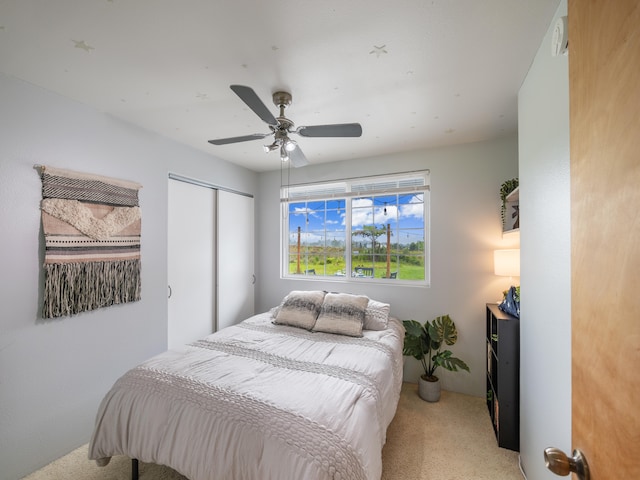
<point>424,343</point>
<point>505,189</point>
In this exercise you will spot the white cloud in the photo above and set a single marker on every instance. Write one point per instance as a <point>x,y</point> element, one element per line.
<point>304,211</point>
<point>361,216</point>
<point>361,202</point>
<point>412,210</point>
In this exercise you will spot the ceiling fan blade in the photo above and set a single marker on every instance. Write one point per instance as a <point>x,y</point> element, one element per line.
<point>335,130</point>
<point>248,96</point>
<point>244,138</point>
<point>297,158</point>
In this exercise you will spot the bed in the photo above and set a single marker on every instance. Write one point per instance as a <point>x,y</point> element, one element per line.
<point>304,391</point>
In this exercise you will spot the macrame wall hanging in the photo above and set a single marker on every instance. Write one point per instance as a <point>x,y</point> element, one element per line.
<point>92,230</point>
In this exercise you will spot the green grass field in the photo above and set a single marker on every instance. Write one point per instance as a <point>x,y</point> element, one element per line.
<point>336,266</point>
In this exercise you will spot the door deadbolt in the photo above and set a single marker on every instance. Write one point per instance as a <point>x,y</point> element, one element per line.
<point>558,462</point>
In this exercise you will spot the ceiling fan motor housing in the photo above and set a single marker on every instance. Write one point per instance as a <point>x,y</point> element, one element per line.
<point>282,99</point>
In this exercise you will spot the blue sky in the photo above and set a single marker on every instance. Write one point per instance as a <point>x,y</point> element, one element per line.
<point>404,213</point>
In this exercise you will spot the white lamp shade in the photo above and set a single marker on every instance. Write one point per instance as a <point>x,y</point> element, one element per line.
<point>506,263</point>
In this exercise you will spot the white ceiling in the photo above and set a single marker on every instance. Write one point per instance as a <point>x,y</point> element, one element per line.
<point>414,73</point>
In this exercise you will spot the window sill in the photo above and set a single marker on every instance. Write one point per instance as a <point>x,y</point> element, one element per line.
<point>357,280</point>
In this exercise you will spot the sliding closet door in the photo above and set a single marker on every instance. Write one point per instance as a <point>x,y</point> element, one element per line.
<point>235,258</point>
<point>191,263</point>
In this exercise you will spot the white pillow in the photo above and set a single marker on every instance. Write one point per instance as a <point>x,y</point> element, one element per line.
<point>342,313</point>
<point>300,309</point>
<point>376,316</point>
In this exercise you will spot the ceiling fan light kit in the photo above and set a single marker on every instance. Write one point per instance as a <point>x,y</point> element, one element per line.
<point>281,127</point>
<point>290,145</point>
<point>270,148</point>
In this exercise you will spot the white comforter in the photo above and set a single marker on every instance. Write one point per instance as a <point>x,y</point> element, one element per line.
<point>258,401</point>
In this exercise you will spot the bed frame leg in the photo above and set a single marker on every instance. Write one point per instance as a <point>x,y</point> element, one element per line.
<point>134,469</point>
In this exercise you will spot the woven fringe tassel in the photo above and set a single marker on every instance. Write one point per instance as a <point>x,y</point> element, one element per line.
<point>72,288</point>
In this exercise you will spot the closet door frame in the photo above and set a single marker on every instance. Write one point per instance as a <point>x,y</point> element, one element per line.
<point>234,272</point>
<point>191,262</point>
<point>236,246</point>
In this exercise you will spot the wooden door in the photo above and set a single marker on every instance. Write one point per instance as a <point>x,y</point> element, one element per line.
<point>604,85</point>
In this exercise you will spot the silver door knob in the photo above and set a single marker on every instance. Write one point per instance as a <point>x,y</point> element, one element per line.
<point>558,462</point>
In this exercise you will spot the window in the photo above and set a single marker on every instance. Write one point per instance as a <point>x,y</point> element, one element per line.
<point>367,229</point>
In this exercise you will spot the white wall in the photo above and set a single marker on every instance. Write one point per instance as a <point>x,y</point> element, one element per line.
<point>545,328</point>
<point>54,373</point>
<point>465,229</point>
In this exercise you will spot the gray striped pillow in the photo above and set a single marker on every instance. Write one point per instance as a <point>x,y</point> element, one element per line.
<point>300,309</point>
<point>342,313</point>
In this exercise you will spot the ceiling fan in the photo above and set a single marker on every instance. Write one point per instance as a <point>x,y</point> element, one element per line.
<point>281,127</point>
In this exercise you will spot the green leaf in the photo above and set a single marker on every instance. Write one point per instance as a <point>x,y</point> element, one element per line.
<point>444,330</point>
<point>446,360</point>
<point>434,336</point>
<point>415,339</point>
<point>413,347</point>
<point>413,328</point>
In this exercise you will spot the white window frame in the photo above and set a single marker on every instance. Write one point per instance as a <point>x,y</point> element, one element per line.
<point>348,189</point>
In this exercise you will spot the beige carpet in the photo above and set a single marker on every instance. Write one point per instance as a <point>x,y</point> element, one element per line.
<point>449,440</point>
